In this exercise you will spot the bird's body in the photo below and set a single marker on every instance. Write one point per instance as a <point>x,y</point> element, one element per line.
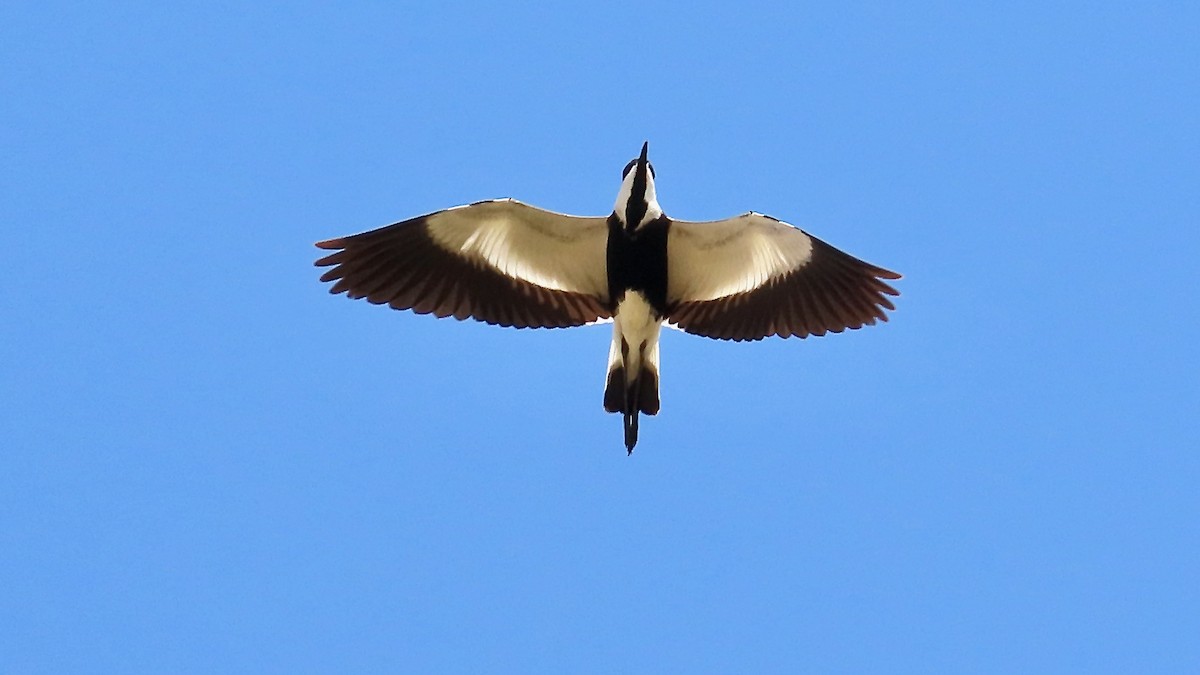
<point>507,263</point>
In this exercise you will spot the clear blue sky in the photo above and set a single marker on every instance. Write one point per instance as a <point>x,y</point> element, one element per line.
<point>212,465</point>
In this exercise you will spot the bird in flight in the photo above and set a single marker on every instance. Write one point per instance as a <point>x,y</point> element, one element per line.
<point>511,264</point>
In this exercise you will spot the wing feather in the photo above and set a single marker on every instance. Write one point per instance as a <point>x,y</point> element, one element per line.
<point>502,262</point>
<point>752,276</point>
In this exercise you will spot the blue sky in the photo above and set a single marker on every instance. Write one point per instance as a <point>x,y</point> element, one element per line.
<point>210,464</point>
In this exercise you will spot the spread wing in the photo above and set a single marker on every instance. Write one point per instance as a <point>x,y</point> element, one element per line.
<point>752,276</point>
<point>502,262</point>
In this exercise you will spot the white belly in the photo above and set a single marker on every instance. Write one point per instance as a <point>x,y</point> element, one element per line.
<point>637,324</point>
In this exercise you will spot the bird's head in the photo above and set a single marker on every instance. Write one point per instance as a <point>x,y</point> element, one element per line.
<point>637,203</point>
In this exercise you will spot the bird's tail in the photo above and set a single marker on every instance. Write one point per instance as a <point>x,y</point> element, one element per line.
<point>631,395</point>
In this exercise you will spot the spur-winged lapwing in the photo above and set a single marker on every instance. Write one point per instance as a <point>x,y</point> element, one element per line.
<point>507,263</point>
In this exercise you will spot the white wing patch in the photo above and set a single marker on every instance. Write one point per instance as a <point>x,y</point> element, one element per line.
<point>552,250</point>
<point>716,259</point>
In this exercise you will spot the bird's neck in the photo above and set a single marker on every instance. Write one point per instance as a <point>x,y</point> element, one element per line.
<point>636,204</point>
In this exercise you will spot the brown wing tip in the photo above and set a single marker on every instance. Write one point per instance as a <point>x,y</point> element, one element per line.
<point>884,288</point>
<point>879,273</point>
<point>330,245</point>
<point>336,243</point>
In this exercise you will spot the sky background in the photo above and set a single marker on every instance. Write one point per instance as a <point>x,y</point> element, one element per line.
<point>209,464</point>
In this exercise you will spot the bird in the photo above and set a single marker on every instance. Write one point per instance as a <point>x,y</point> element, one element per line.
<point>508,263</point>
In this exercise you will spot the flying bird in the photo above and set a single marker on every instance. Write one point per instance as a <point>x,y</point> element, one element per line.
<point>511,264</point>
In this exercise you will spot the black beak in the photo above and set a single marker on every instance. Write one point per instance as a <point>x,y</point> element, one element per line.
<point>642,158</point>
